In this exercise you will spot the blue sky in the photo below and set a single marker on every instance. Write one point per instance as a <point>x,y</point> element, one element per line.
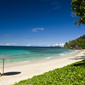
<point>37,22</point>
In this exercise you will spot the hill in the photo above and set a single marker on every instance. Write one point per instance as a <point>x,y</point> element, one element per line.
<point>78,43</point>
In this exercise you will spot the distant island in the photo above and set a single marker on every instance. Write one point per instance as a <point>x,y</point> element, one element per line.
<point>78,43</point>
<point>56,46</point>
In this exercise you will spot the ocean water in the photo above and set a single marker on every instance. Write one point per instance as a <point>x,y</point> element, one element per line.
<point>28,54</point>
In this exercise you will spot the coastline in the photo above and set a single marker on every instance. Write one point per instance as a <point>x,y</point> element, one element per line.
<point>52,57</point>
<point>29,69</point>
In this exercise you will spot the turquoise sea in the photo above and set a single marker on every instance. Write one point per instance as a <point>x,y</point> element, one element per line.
<point>28,54</point>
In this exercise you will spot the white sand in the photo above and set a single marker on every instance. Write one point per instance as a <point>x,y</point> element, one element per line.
<point>28,70</point>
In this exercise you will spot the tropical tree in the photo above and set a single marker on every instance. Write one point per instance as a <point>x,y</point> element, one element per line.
<point>79,7</point>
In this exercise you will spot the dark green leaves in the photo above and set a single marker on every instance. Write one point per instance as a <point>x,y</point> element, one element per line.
<point>79,7</point>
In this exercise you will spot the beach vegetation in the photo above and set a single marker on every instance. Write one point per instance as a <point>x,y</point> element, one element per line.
<point>79,7</point>
<point>73,74</point>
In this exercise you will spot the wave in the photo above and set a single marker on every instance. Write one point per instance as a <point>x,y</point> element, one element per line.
<point>62,54</point>
<point>26,61</point>
<point>48,57</point>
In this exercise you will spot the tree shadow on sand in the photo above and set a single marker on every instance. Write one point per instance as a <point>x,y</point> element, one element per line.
<point>81,63</point>
<point>78,58</point>
<point>11,73</point>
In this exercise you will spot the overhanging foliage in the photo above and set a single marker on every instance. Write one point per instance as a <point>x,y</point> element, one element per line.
<point>79,7</point>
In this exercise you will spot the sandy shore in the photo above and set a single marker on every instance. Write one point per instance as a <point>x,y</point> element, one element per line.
<point>20,71</point>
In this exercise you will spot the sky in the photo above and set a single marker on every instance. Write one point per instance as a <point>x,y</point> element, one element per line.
<point>38,23</point>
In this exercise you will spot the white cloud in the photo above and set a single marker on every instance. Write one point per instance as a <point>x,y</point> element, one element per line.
<point>40,45</point>
<point>57,44</point>
<point>9,44</point>
<point>36,29</point>
<point>48,45</point>
<point>13,43</point>
<point>29,44</point>
<point>61,44</point>
<point>73,14</point>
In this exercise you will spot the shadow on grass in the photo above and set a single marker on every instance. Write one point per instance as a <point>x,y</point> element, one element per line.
<point>11,73</point>
<point>82,63</point>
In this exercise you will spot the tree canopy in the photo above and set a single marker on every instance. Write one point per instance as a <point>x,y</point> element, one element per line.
<point>79,7</point>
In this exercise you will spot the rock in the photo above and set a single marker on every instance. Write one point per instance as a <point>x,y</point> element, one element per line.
<point>75,46</point>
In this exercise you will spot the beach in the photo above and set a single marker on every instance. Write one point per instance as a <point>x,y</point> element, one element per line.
<point>16,72</point>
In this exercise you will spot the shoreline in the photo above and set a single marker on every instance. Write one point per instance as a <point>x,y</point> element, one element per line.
<point>28,57</point>
<point>29,69</point>
<point>41,60</point>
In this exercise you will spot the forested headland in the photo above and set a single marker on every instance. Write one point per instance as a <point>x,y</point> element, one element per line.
<point>78,43</point>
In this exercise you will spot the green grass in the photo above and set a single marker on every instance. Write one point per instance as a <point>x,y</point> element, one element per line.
<point>73,74</point>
